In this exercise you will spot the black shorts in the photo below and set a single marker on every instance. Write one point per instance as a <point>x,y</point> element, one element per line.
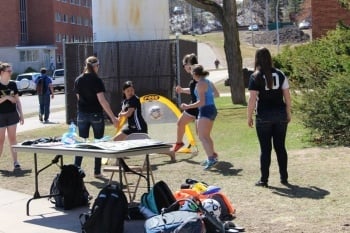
<point>193,112</point>
<point>127,130</point>
<point>7,119</point>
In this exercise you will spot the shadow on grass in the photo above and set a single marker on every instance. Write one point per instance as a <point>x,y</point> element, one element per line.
<point>15,173</point>
<point>295,191</point>
<point>226,169</point>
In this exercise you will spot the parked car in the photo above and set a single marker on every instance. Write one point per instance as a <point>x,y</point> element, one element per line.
<point>26,83</point>
<point>58,79</point>
<point>304,25</point>
<point>253,27</point>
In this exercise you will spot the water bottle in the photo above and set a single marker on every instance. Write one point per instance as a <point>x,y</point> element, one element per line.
<point>71,136</point>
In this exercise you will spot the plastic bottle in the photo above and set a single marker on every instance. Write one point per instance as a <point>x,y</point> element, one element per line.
<point>71,136</point>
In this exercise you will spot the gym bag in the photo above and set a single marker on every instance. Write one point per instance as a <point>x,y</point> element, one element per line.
<point>108,213</point>
<point>159,197</point>
<point>68,190</point>
<point>175,222</point>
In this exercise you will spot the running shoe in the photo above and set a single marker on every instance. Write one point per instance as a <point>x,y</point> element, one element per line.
<point>16,166</point>
<point>210,163</point>
<point>177,146</point>
<point>215,156</point>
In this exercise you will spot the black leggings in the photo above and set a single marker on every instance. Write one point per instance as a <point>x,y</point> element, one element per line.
<point>272,128</point>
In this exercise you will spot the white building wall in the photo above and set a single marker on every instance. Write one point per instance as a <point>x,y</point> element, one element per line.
<point>121,20</point>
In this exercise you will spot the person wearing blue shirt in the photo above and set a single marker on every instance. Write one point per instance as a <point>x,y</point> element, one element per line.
<point>206,92</point>
<point>44,95</point>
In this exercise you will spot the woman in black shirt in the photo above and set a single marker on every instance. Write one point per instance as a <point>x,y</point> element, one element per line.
<point>270,98</point>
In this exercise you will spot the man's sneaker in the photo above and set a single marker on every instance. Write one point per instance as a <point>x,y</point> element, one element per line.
<point>210,163</point>
<point>16,166</point>
<point>177,146</point>
<point>40,117</point>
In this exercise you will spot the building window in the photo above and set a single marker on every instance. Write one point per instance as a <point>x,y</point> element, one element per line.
<point>58,37</point>
<point>58,17</point>
<point>65,18</point>
<point>59,58</point>
<point>29,55</point>
<point>79,20</point>
<point>73,19</point>
<point>77,2</point>
<point>86,22</point>
<point>72,2</point>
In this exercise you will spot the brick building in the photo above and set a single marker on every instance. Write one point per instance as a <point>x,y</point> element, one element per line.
<point>33,31</point>
<point>325,16</point>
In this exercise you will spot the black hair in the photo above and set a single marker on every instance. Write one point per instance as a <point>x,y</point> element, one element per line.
<point>199,70</point>
<point>127,84</point>
<point>43,70</point>
<point>263,66</point>
<point>190,59</point>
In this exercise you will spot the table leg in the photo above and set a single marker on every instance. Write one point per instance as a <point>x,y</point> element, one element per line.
<point>36,194</point>
<point>148,173</point>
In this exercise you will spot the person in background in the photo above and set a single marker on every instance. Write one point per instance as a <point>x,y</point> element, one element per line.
<point>188,115</point>
<point>10,111</point>
<point>270,98</point>
<point>205,92</point>
<point>216,63</point>
<point>131,110</point>
<point>44,92</point>
<point>90,90</point>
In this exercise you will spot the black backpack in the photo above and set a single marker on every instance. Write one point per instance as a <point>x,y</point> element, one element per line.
<point>68,189</point>
<point>159,197</point>
<point>41,86</point>
<point>108,212</point>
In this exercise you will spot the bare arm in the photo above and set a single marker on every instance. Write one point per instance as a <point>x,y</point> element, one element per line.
<point>202,87</point>
<point>127,113</point>
<point>287,100</point>
<point>216,92</point>
<point>180,90</point>
<point>251,107</point>
<point>19,109</point>
<point>106,107</point>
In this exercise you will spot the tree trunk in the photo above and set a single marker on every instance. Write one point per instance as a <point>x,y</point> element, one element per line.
<point>227,15</point>
<point>233,53</point>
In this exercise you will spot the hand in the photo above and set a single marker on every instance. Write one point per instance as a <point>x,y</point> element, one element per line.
<point>21,119</point>
<point>250,122</point>
<point>115,122</point>
<point>178,89</point>
<point>11,99</point>
<point>184,106</point>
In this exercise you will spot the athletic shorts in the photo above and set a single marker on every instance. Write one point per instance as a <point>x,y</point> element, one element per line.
<point>208,111</point>
<point>192,112</point>
<point>8,119</point>
<point>129,130</point>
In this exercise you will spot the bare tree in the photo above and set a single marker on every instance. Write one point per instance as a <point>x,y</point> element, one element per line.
<point>227,16</point>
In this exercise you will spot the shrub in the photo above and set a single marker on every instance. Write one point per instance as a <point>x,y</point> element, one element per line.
<point>30,70</point>
<point>319,71</point>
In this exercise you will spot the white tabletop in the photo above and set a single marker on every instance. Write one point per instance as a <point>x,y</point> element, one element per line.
<point>117,149</point>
